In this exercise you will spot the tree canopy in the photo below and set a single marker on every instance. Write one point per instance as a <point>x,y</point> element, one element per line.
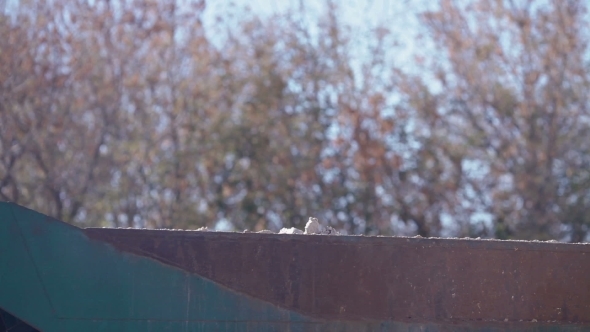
<point>133,113</point>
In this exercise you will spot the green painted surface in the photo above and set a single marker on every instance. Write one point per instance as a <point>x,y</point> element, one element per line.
<point>56,279</point>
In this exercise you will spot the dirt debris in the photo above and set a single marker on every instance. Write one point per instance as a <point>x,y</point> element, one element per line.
<point>291,230</point>
<point>313,226</point>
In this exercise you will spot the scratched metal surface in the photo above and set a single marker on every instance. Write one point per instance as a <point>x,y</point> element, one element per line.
<point>408,280</point>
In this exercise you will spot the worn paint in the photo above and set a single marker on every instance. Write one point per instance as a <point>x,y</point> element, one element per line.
<point>56,277</point>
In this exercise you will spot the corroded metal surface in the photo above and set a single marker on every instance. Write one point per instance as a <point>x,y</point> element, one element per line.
<point>354,278</point>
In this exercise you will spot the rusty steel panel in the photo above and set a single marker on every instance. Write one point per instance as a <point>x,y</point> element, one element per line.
<point>407,280</point>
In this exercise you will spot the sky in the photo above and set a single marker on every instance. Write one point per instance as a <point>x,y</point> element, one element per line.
<point>399,16</point>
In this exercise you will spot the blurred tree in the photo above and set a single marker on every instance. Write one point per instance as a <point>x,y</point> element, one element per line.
<point>126,113</point>
<point>512,84</point>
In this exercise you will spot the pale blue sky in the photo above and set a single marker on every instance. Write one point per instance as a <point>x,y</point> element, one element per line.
<point>362,16</point>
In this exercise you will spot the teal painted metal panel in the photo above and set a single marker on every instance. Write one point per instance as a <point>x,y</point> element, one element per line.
<point>55,278</point>
<point>21,290</point>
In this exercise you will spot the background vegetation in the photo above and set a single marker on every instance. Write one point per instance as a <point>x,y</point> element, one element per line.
<point>129,113</point>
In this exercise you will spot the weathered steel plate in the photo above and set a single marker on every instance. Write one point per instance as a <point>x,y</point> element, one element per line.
<point>383,278</point>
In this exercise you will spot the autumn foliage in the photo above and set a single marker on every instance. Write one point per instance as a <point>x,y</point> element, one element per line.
<point>132,113</point>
